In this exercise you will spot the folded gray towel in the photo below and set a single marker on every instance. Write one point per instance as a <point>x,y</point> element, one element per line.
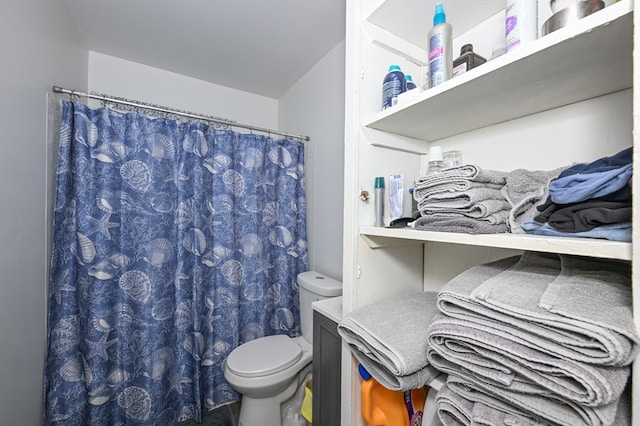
<point>491,214</point>
<point>507,293</point>
<point>502,359</point>
<point>493,224</point>
<point>488,416</point>
<point>453,409</point>
<point>468,172</point>
<point>597,294</point>
<point>480,210</point>
<point>463,199</point>
<point>452,186</point>
<point>525,190</point>
<point>459,178</point>
<point>381,373</point>
<point>394,352</point>
<point>546,408</point>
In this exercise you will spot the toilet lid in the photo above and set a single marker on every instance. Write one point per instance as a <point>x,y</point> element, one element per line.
<point>264,356</point>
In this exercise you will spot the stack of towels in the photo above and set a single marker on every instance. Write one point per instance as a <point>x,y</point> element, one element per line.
<point>535,339</point>
<point>468,199</point>
<point>389,338</point>
<point>588,200</point>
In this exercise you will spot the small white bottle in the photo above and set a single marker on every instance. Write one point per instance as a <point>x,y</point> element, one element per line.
<point>440,48</point>
<point>436,162</point>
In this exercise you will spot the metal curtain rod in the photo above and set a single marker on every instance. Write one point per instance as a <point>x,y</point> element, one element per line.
<point>136,104</point>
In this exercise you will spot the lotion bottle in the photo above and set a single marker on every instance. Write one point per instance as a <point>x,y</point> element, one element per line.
<point>440,48</point>
<point>521,23</point>
<point>394,84</point>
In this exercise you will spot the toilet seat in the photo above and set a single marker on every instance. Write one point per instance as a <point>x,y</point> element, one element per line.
<point>264,356</point>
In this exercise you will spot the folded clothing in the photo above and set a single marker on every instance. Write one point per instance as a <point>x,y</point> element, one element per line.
<point>599,178</point>
<point>394,352</point>
<point>585,216</point>
<point>603,164</point>
<point>613,232</point>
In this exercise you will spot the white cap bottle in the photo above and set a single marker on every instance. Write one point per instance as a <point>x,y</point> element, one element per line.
<point>436,163</point>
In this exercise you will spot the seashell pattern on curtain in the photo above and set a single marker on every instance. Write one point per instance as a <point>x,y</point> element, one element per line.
<point>174,242</point>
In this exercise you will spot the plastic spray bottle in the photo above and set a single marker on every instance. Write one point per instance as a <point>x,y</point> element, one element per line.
<point>440,48</point>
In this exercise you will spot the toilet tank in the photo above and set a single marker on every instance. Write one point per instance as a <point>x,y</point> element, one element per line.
<point>314,286</point>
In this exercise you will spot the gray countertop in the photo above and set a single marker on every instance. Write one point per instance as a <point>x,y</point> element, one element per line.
<point>330,308</point>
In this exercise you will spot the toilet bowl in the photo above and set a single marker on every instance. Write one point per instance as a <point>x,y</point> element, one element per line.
<point>267,371</point>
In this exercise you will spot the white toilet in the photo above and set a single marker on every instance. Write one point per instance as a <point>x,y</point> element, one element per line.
<point>269,370</point>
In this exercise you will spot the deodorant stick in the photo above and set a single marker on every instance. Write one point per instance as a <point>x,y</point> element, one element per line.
<point>379,200</point>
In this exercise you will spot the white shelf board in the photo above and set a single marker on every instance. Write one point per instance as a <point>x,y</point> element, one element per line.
<point>383,237</point>
<point>590,58</point>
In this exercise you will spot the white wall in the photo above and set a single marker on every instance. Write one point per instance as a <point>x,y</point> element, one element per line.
<point>40,48</point>
<point>118,77</point>
<point>314,106</point>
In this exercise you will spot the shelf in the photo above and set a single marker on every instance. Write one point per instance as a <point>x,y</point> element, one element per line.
<point>384,237</point>
<point>590,58</point>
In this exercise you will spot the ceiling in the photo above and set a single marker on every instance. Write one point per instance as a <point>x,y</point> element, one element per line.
<point>258,46</point>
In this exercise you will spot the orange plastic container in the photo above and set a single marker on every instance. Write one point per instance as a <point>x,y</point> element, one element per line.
<point>384,407</point>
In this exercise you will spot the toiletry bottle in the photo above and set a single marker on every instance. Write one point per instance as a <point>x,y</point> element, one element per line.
<point>393,84</point>
<point>436,163</point>
<point>521,23</point>
<point>410,83</point>
<point>379,201</point>
<point>467,60</point>
<point>440,48</point>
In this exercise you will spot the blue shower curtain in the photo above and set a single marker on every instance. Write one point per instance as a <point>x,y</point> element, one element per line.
<point>174,242</point>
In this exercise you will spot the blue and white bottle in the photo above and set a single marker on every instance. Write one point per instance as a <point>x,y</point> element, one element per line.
<point>393,84</point>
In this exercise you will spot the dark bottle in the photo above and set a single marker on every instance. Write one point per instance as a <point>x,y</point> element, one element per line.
<point>410,83</point>
<point>467,60</point>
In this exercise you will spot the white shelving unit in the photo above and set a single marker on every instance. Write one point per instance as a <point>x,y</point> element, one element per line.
<point>591,58</point>
<point>533,93</point>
